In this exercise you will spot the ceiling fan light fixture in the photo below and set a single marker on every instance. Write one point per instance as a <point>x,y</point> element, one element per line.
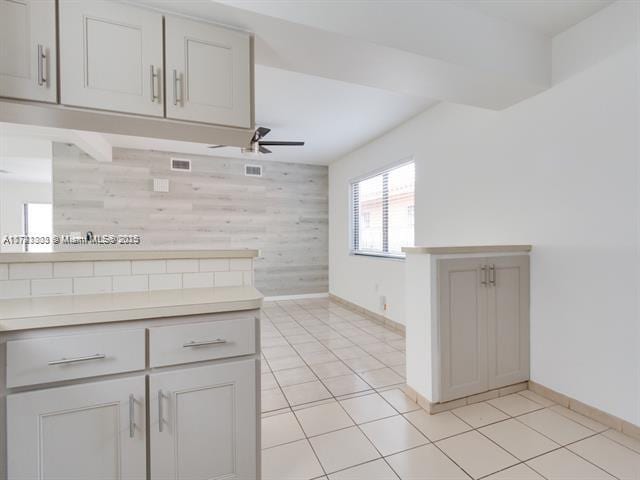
<point>258,146</point>
<point>253,148</point>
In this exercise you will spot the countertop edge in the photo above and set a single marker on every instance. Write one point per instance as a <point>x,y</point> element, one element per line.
<point>469,249</point>
<point>108,255</point>
<point>116,316</point>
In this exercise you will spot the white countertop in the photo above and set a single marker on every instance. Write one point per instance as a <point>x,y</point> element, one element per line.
<point>468,249</point>
<point>97,255</point>
<point>59,311</point>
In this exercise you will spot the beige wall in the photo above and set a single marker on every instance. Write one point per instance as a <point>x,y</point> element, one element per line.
<point>284,213</point>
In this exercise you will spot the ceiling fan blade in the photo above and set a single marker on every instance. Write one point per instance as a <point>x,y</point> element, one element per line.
<point>264,150</point>
<point>278,143</point>
<point>260,133</point>
<point>217,146</point>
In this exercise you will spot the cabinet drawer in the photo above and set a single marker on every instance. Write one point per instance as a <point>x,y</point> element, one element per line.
<point>196,342</point>
<point>52,359</point>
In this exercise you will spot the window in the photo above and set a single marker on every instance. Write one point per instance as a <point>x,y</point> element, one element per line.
<point>38,220</point>
<point>383,212</point>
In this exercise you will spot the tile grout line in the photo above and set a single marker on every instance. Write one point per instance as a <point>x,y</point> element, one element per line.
<point>379,390</point>
<point>337,401</point>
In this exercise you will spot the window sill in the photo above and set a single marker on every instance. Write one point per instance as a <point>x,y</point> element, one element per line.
<point>388,256</point>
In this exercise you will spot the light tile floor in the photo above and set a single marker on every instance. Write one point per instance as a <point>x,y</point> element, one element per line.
<point>333,409</point>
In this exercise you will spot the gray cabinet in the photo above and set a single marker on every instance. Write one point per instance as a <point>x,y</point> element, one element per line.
<point>484,323</point>
<point>198,421</point>
<point>208,73</point>
<point>463,324</point>
<point>508,320</point>
<point>28,61</point>
<point>203,422</point>
<point>111,57</point>
<point>96,430</point>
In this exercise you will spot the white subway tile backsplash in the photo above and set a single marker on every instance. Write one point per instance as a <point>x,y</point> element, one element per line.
<point>24,271</point>
<point>51,286</point>
<point>228,279</point>
<point>15,288</point>
<point>19,280</point>
<point>88,285</point>
<point>244,264</point>
<point>148,266</point>
<point>214,265</point>
<point>72,269</point>
<point>117,267</point>
<point>130,283</point>
<point>165,281</point>
<point>182,266</point>
<point>197,280</point>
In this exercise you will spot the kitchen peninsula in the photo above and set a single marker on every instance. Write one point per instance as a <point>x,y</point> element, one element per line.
<point>152,356</point>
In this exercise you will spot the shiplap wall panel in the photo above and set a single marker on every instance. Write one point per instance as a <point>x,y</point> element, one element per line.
<point>284,213</point>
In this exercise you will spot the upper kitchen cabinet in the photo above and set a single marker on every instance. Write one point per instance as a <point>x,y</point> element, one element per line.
<point>208,73</point>
<point>28,50</point>
<point>111,57</point>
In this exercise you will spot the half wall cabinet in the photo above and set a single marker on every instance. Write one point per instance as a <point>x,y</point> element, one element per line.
<point>484,323</point>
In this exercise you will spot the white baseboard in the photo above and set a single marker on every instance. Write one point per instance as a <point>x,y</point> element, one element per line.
<point>278,298</point>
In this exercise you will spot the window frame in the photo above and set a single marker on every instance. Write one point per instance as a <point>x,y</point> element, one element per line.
<point>352,212</point>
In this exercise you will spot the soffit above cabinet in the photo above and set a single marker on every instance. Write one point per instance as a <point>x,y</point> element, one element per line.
<point>58,116</point>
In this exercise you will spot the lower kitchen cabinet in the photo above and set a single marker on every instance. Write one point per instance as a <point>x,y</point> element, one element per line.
<point>90,431</point>
<point>194,417</point>
<point>203,422</point>
<point>484,323</point>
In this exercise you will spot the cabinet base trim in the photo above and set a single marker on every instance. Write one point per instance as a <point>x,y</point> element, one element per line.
<point>376,317</point>
<point>438,407</point>
<point>588,411</point>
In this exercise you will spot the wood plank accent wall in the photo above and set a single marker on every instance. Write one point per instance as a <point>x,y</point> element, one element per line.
<point>284,213</point>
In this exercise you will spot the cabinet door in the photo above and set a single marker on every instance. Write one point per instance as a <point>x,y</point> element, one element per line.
<point>203,422</point>
<point>208,73</point>
<point>463,323</point>
<point>111,57</point>
<point>90,431</point>
<point>508,320</point>
<point>28,61</point>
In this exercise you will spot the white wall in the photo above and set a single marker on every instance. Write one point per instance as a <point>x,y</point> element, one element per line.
<point>13,196</point>
<point>560,171</point>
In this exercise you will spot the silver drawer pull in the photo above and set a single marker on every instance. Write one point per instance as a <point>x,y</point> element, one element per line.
<point>62,361</point>
<point>217,341</point>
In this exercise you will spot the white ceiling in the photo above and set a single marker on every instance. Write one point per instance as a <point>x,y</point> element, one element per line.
<point>339,74</point>
<point>332,117</point>
<point>546,16</point>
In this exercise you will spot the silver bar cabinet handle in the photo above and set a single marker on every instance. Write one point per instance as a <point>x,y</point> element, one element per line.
<point>160,415</point>
<point>154,77</point>
<point>62,361</point>
<point>175,87</point>
<point>483,275</point>
<point>193,343</point>
<point>132,423</point>
<point>41,57</point>
<point>492,275</point>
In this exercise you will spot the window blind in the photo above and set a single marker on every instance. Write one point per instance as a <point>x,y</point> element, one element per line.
<point>382,211</point>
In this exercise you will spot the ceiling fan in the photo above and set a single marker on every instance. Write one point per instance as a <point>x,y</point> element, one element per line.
<point>258,145</point>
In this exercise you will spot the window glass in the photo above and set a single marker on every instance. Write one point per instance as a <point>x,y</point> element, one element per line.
<point>382,214</point>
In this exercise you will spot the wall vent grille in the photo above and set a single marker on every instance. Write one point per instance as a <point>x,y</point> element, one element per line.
<point>181,164</point>
<point>253,170</point>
